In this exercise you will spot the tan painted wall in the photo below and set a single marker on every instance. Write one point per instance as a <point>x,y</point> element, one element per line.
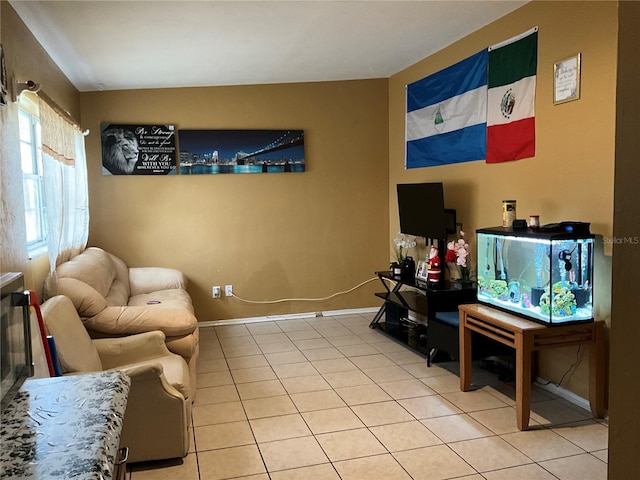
<point>571,176</point>
<point>624,417</point>
<point>271,236</point>
<point>25,60</point>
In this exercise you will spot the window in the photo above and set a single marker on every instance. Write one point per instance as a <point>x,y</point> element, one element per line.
<point>32,179</point>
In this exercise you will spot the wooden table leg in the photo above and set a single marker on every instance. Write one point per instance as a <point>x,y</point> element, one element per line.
<point>524,343</point>
<point>597,371</point>
<point>465,353</point>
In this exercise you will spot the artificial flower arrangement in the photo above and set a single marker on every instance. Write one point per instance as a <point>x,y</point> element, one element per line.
<point>402,244</point>
<point>404,265</point>
<point>457,254</point>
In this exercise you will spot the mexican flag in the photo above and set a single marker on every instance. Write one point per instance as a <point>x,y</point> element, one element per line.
<point>511,130</point>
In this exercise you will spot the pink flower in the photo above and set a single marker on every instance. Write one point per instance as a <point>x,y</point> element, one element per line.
<point>458,251</point>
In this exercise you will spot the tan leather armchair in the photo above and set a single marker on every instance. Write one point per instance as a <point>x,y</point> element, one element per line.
<point>158,411</point>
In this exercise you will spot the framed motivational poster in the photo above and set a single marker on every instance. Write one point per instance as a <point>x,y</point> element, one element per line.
<point>138,149</point>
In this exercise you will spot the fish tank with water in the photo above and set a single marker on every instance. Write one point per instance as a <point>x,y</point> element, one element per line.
<point>544,275</point>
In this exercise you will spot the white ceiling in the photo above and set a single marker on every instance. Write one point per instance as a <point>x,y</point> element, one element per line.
<point>112,45</point>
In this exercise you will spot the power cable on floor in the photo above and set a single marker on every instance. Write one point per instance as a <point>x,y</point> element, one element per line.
<point>321,299</point>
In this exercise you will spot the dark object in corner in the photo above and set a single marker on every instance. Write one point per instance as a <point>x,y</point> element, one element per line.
<point>579,228</point>
<point>519,224</point>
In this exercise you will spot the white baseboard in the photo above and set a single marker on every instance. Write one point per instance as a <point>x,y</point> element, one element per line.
<point>563,393</point>
<point>556,390</point>
<point>289,316</point>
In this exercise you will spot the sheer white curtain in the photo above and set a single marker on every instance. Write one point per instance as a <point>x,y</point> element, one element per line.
<point>65,186</point>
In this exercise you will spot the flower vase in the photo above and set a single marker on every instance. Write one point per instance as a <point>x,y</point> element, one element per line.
<point>396,269</point>
<point>408,269</point>
<point>465,279</point>
<point>460,284</point>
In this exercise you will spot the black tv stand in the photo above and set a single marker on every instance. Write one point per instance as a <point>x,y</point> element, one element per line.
<point>412,295</point>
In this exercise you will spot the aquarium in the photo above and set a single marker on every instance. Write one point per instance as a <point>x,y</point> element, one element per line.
<point>545,275</point>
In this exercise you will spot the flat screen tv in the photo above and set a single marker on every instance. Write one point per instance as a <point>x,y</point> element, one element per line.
<point>421,210</point>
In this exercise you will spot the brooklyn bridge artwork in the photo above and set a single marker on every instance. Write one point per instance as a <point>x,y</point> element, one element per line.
<point>241,151</point>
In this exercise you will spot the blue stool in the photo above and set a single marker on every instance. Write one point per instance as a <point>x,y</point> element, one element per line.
<point>450,318</point>
<point>443,335</point>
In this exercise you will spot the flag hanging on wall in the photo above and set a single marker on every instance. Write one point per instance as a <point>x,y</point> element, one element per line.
<point>446,117</point>
<point>511,133</point>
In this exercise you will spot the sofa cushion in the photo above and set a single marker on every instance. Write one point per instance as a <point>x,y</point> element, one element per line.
<point>87,300</point>
<point>119,321</point>
<point>163,298</point>
<point>152,279</point>
<point>122,272</point>
<point>94,267</point>
<point>118,294</point>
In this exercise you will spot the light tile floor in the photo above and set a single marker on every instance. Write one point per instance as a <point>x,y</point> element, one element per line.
<point>329,398</point>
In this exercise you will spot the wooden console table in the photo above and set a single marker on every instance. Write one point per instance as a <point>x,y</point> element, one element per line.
<point>527,337</point>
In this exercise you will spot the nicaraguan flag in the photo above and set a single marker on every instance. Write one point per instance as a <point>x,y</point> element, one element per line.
<point>447,115</point>
<point>511,128</point>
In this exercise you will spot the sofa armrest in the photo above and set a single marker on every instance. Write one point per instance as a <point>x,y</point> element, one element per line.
<point>157,417</point>
<point>150,371</point>
<point>151,279</point>
<point>142,371</point>
<point>119,321</point>
<point>114,352</point>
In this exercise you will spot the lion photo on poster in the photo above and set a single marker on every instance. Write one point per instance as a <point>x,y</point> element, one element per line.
<point>138,149</point>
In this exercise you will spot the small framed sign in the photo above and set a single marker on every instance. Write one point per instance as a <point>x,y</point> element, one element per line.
<point>422,271</point>
<point>566,80</point>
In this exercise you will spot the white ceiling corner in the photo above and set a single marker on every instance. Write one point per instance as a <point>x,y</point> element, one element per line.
<point>115,45</point>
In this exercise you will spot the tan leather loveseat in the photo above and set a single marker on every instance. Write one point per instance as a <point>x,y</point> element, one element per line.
<point>114,300</point>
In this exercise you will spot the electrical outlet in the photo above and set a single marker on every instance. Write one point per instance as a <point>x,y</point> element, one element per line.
<point>215,292</point>
<point>228,290</point>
